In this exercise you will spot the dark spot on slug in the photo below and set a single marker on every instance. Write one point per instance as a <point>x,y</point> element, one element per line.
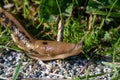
<point>2,15</point>
<point>20,35</point>
<point>6,21</point>
<point>45,43</point>
<point>13,25</point>
<point>33,51</point>
<point>27,39</point>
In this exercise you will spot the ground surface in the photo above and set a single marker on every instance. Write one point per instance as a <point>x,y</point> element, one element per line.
<point>77,66</point>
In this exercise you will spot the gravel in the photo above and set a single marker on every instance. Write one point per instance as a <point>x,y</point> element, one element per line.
<point>76,66</point>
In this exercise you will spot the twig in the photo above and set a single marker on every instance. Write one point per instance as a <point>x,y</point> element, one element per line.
<point>90,22</point>
<point>60,25</point>
<point>60,31</point>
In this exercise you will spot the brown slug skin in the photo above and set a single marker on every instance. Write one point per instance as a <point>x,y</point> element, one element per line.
<point>37,49</point>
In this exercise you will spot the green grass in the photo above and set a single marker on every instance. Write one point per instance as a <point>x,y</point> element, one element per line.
<point>75,14</point>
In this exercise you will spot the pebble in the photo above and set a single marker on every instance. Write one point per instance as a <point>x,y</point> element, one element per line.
<point>55,69</point>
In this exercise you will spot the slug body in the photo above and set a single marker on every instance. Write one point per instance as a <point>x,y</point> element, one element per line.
<point>37,49</point>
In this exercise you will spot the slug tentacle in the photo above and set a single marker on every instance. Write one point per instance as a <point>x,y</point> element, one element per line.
<point>37,49</point>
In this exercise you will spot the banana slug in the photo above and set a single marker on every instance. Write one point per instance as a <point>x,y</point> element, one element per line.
<point>37,49</point>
